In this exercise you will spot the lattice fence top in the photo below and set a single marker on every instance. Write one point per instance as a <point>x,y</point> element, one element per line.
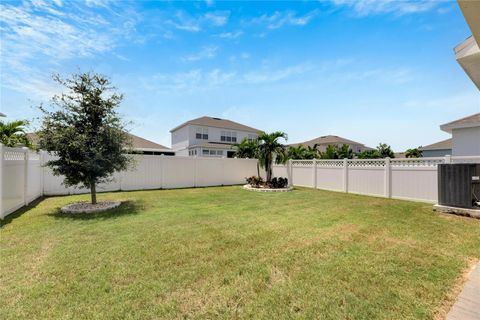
<point>302,163</point>
<point>366,163</point>
<point>13,155</point>
<point>416,162</point>
<point>329,163</point>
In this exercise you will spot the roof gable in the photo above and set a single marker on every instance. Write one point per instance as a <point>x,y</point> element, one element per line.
<point>217,123</point>
<point>466,122</point>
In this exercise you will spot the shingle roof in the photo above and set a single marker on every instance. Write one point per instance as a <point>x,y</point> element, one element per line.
<point>217,123</point>
<point>441,145</point>
<point>467,122</point>
<point>326,140</point>
<point>138,143</point>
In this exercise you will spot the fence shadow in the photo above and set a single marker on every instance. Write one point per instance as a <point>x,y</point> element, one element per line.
<point>17,214</point>
<point>125,209</point>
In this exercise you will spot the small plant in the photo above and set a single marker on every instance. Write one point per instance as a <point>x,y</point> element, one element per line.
<point>279,183</point>
<point>255,181</point>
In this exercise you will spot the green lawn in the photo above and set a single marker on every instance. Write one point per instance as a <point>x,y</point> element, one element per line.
<point>228,253</point>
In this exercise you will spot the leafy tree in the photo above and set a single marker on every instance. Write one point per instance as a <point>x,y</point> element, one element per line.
<point>85,131</point>
<point>301,153</point>
<point>13,134</point>
<point>270,150</point>
<point>345,152</point>
<point>382,151</point>
<point>414,153</point>
<point>369,154</point>
<point>385,150</point>
<point>331,152</point>
<point>248,149</point>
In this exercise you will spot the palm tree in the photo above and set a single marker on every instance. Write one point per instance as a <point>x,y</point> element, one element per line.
<point>248,148</point>
<point>270,149</point>
<point>414,153</point>
<point>297,153</point>
<point>13,133</point>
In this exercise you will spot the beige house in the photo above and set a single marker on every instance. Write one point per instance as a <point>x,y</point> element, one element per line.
<point>209,137</point>
<point>323,141</point>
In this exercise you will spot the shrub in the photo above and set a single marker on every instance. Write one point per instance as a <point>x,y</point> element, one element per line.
<point>255,181</point>
<point>279,183</point>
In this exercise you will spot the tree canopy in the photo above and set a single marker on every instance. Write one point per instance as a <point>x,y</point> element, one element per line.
<point>85,131</point>
<point>270,149</point>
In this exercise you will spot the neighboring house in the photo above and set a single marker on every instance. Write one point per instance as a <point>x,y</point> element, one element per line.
<point>2,114</point>
<point>209,137</point>
<point>324,141</point>
<point>438,149</point>
<point>139,145</point>
<point>465,135</point>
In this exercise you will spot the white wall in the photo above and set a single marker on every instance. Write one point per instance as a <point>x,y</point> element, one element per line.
<point>466,141</point>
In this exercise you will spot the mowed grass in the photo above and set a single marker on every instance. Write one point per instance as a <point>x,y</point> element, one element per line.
<point>228,253</point>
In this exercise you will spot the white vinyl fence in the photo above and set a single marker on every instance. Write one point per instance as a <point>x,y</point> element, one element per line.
<point>409,179</point>
<point>24,178</point>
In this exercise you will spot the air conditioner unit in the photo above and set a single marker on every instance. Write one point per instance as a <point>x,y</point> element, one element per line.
<point>459,185</point>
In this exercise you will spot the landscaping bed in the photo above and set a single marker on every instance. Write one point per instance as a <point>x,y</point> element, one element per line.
<point>226,253</point>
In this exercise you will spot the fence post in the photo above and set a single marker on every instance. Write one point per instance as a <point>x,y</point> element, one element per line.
<point>162,170</point>
<point>345,175</point>
<point>26,157</point>
<point>315,173</point>
<point>1,180</point>
<point>388,172</point>
<point>290,173</point>
<point>448,158</point>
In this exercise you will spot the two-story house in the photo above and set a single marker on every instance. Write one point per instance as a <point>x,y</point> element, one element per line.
<point>209,137</point>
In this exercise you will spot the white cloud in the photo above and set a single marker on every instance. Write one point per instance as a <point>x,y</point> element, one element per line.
<point>230,35</point>
<point>279,19</point>
<point>37,38</point>
<point>372,7</point>
<point>185,22</point>
<point>198,79</point>
<point>217,19</point>
<point>461,101</point>
<point>209,52</point>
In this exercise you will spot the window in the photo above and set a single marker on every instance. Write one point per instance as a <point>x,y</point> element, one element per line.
<point>252,137</point>
<point>219,152</point>
<point>228,136</point>
<point>205,152</point>
<point>201,133</point>
<point>212,152</point>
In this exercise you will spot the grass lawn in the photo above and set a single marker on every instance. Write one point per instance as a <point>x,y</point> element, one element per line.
<point>229,253</point>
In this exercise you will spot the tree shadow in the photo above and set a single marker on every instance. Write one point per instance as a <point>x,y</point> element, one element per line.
<point>125,209</point>
<point>18,213</point>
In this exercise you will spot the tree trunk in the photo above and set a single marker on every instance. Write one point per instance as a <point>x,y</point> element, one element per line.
<point>258,169</point>
<point>93,193</point>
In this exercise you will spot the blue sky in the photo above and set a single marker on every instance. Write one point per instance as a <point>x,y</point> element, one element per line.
<point>370,71</point>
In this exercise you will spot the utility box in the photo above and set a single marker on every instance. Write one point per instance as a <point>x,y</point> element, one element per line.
<point>459,185</point>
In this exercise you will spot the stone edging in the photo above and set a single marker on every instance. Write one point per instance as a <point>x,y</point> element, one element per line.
<point>250,188</point>
<point>83,207</point>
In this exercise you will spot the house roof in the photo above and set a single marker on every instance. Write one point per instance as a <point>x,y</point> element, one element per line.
<point>467,122</point>
<point>441,145</point>
<point>326,140</point>
<point>2,114</point>
<point>138,143</point>
<point>217,123</point>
